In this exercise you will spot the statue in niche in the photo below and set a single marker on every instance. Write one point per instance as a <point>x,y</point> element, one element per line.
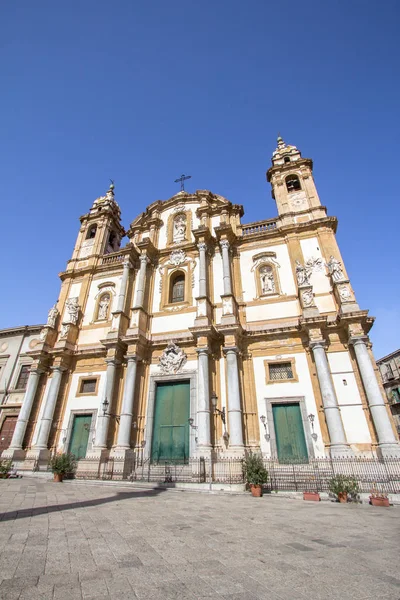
<point>179,228</point>
<point>52,316</point>
<point>335,269</point>
<point>103,307</point>
<point>267,280</point>
<point>302,274</point>
<point>73,310</point>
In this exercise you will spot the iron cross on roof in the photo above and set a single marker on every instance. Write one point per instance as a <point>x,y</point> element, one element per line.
<point>182,179</point>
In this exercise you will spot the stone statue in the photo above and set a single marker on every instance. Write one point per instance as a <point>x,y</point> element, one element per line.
<point>302,274</point>
<point>52,316</point>
<point>179,228</point>
<point>103,307</point>
<point>267,280</point>
<point>73,310</point>
<point>335,269</point>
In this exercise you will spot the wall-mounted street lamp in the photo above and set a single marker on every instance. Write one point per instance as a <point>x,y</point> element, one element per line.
<point>221,413</point>
<point>191,421</point>
<point>105,406</point>
<point>263,420</point>
<point>311,418</point>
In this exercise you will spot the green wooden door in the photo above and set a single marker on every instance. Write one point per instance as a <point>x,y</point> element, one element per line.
<point>80,435</point>
<point>171,427</point>
<point>289,432</point>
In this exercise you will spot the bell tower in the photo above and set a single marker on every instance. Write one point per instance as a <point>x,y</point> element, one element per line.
<point>293,186</point>
<point>101,230</point>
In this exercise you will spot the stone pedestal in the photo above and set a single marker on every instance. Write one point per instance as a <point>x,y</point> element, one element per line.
<point>345,297</point>
<point>37,459</point>
<point>122,461</point>
<point>306,296</point>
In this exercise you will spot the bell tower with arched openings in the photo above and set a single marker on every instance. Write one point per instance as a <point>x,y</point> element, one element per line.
<point>100,233</point>
<point>293,186</point>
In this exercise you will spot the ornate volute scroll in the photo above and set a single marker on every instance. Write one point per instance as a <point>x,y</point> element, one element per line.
<point>172,359</point>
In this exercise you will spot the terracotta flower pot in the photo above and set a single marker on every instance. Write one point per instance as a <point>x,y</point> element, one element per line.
<point>58,477</point>
<point>311,496</point>
<point>379,501</point>
<point>256,490</point>
<point>342,497</point>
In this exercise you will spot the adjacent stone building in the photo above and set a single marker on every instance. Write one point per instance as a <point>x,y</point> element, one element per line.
<point>15,364</point>
<point>206,334</point>
<point>389,367</point>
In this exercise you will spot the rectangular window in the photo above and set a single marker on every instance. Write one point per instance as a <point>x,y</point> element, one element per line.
<point>23,377</point>
<point>88,386</point>
<point>280,371</point>
<point>396,394</point>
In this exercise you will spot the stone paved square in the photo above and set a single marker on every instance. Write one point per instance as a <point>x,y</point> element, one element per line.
<point>87,542</point>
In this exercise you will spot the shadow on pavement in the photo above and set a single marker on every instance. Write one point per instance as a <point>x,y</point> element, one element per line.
<point>42,510</point>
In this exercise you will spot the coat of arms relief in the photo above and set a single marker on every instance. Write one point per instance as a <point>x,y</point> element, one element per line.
<point>172,359</point>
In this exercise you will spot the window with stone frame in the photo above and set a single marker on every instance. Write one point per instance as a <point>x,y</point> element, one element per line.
<point>280,371</point>
<point>88,386</point>
<point>23,377</point>
<point>177,288</point>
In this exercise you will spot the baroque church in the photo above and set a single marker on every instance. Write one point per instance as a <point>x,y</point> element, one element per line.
<point>206,335</point>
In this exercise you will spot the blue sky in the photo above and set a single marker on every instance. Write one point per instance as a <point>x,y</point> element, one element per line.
<point>144,91</point>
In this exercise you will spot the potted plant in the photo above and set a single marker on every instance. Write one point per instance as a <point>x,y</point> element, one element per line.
<point>255,473</point>
<point>343,486</point>
<point>62,464</point>
<point>378,498</point>
<point>5,468</point>
<point>311,494</point>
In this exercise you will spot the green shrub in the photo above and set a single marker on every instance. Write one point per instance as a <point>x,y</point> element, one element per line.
<point>63,463</point>
<point>5,468</point>
<point>343,484</point>
<point>254,470</point>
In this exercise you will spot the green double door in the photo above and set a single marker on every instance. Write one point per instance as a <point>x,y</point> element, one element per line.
<point>289,433</point>
<point>80,435</point>
<point>170,440</point>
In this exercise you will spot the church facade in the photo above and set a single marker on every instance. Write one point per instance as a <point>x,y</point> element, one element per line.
<point>203,334</point>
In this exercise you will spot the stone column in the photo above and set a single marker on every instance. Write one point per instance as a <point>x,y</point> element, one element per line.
<point>141,281</point>
<point>125,425</point>
<point>124,284</point>
<point>51,401</point>
<point>388,444</point>
<point>234,407</point>
<point>104,420</point>
<point>25,412</point>
<point>337,436</point>
<point>203,401</point>
<point>202,269</point>
<point>226,270</point>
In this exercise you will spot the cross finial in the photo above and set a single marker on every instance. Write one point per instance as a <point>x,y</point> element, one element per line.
<point>112,186</point>
<point>181,180</point>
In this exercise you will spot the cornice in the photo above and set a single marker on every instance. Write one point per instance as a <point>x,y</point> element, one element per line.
<point>20,329</point>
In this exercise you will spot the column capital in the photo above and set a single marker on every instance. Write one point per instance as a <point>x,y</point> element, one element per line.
<point>59,368</point>
<point>202,247</point>
<point>230,349</point>
<point>127,263</point>
<point>144,259</point>
<point>317,344</point>
<point>112,361</point>
<point>132,358</point>
<point>358,339</point>
<point>225,244</point>
<point>204,350</point>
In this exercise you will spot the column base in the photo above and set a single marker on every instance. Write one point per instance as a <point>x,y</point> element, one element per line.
<point>16,454</point>
<point>235,452</point>
<point>341,451</point>
<point>388,450</point>
<point>203,451</point>
<point>37,459</point>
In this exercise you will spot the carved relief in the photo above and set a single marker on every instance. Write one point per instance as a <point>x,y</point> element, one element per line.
<point>177,257</point>
<point>344,293</point>
<point>307,297</point>
<point>172,359</point>
<point>227,306</point>
<point>64,330</point>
